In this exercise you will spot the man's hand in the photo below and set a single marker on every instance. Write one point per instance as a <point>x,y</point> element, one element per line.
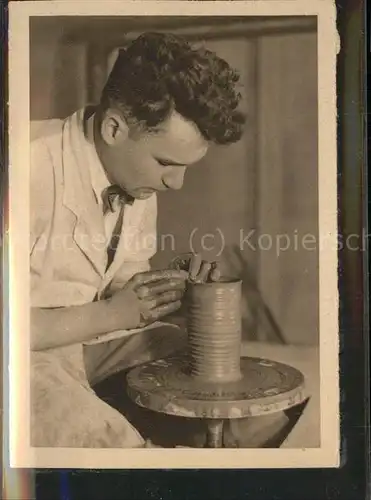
<point>155,294</point>
<point>145,298</point>
<point>199,270</point>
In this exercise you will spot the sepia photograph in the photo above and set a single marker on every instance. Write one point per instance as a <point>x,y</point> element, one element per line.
<point>174,265</point>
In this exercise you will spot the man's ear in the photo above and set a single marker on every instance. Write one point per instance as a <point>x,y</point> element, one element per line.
<point>114,129</point>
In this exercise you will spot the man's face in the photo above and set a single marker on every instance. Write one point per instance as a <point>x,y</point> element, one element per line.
<point>149,162</point>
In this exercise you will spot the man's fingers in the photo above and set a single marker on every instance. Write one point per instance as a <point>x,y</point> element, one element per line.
<point>215,273</point>
<point>199,271</point>
<point>194,266</point>
<point>159,312</point>
<point>165,309</point>
<point>182,261</point>
<point>153,276</point>
<point>163,286</point>
<point>164,298</point>
<point>168,297</point>
<point>204,271</point>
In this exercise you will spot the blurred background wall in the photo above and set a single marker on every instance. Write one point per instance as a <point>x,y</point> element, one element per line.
<point>259,194</point>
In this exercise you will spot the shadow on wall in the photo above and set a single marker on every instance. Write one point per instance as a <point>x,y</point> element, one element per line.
<point>256,315</point>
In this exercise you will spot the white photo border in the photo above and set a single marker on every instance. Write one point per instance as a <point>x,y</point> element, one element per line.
<point>21,453</point>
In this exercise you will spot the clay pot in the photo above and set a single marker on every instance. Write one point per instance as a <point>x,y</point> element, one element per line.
<point>214,330</point>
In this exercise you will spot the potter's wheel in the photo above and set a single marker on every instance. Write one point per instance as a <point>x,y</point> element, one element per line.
<point>210,380</point>
<point>265,386</point>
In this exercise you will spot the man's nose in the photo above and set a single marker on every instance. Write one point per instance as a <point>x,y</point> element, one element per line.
<point>174,178</point>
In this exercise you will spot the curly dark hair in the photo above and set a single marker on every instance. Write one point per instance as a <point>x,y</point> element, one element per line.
<point>158,73</point>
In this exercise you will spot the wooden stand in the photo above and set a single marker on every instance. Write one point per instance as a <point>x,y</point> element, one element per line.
<point>167,386</point>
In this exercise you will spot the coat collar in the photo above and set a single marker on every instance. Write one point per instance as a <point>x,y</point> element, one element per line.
<point>98,176</point>
<point>78,194</point>
<point>79,197</point>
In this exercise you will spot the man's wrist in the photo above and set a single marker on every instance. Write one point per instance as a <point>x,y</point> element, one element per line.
<point>123,312</point>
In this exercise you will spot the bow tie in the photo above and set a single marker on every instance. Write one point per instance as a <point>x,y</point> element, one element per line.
<point>115,194</point>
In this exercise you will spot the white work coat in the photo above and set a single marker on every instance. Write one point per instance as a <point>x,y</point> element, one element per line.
<point>67,264</point>
<point>68,244</point>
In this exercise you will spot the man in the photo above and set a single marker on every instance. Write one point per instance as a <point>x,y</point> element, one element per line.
<point>94,180</point>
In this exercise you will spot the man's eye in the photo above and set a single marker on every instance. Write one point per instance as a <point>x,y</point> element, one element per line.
<point>163,163</point>
<point>167,163</point>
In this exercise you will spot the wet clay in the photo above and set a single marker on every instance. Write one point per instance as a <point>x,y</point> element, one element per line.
<point>214,330</point>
